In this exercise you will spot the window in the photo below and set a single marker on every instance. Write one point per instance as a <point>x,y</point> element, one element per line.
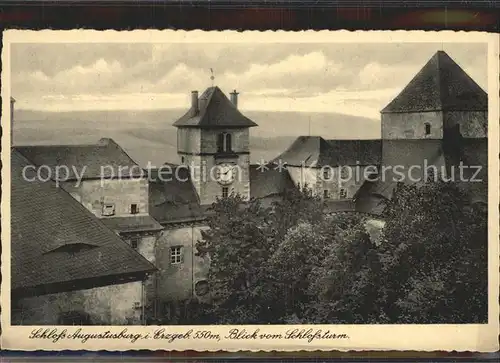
<point>225,192</point>
<point>182,159</point>
<point>134,209</point>
<point>326,194</point>
<point>176,254</point>
<point>228,144</point>
<point>326,174</point>
<point>427,128</point>
<point>224,142</point>
<point>134,242</point>
<point>343,193</point>
<point>108,209</point>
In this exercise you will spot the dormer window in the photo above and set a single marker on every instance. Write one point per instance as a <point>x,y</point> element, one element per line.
<point>224,142</point>
<point>108,209</point>
<point>427,128</point>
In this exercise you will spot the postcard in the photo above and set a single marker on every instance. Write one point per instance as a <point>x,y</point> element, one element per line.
<point>250,191</point>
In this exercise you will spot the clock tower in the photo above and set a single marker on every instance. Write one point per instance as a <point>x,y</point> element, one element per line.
<point>213,142</point>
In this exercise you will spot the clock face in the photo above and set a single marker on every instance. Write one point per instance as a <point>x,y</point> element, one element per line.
<point>225,174</point>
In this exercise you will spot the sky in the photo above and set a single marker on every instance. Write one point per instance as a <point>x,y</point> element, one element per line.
<point>355,79</point>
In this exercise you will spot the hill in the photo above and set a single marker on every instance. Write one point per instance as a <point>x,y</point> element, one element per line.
<point>150,136</point>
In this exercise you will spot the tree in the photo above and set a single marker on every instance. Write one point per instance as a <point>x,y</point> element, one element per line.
<point>242,237</point>
<point>238,244</point>
<point>346,281</point>
<point>434,256</point>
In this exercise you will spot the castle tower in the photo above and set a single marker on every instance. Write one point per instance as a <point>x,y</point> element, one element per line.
<point>440,117</point>
<point>213,141</point>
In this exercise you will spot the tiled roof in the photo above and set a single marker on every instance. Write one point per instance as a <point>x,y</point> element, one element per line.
<point>101,160</point>
<point>315,151</point>
<point>136,223</point>
<point>441,85</point>
<point>56,240</point>
<point>173,199</point>
<point>345,205</point>
<point>214,110</point>
<point>266,182</point>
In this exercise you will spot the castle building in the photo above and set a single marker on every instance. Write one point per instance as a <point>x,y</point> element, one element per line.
<point>437,122</point>
<point>332,169</point>
<point>439,119</point>
<point>214,162</point>
<point>214,137</point>
<point>67,267</point>
<point>104,179</point>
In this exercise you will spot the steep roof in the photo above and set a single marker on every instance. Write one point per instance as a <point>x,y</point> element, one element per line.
<point>137,223</point>
<point>268,181</point>
<point>56,241</point>
<point>103,159</point>
<point>173,199</point>
<point>214,110</point>
<point>313,151</point>
<point>441,85</point>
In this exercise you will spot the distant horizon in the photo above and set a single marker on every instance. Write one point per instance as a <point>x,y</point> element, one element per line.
<point>180,109</point>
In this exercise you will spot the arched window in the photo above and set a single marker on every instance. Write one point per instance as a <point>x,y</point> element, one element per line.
<point>228,143</point>
<point>224,142</point>
<point>427,128</point>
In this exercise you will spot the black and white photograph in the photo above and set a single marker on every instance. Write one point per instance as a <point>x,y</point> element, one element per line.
<point>249,184</point>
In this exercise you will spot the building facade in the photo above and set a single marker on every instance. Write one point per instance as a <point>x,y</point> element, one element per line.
<point>108,183</point>
<point>67,266</point>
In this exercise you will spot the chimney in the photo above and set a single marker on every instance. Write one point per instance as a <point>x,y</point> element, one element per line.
<point>12,102</point>
<point>234,98</point>
<point>194,102</point>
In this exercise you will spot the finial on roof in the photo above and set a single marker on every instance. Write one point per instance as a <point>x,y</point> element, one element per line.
<point>212,77</point>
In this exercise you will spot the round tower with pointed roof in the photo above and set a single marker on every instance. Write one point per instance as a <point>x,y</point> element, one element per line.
<point>213,141</point>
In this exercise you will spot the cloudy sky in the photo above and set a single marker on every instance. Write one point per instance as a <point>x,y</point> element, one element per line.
<point>355,79</point>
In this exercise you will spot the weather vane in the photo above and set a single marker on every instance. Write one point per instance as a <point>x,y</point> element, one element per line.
<point>212,76</point>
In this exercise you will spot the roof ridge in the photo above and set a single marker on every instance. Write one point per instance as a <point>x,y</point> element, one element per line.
<point>59,145</point>
<point>209,100</point>
<point>439,85</point>
<point>125,153</point>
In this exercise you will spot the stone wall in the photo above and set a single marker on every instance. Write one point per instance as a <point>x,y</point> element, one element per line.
<point>240,140</point>
<point>108,305</point>
<point>188,140</point>
<point>412,125</point>
<point>204,158</point>
<point>177,281</point>
<point>473,124</point>
<point>351,180</point>
<point>121,192</point>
